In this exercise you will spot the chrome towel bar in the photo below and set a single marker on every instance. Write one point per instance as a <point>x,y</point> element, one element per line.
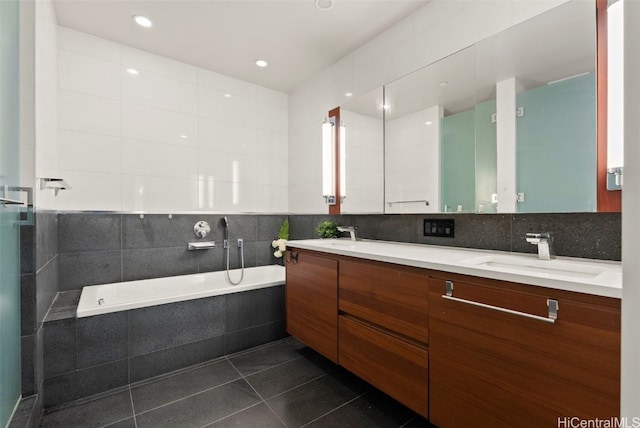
<point>551,303</point>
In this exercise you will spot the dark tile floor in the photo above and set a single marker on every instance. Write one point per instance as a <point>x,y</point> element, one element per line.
<point>282,384</point>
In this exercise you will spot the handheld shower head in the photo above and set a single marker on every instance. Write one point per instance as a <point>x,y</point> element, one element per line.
<point>225,223</point>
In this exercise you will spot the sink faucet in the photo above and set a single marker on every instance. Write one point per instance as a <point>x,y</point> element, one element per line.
<point>350,229</point>
<point>544,241</point>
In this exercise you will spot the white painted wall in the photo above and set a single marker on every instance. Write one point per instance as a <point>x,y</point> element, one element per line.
<point>171,138</point>
<point>439,29</point>
<point>630,404</point>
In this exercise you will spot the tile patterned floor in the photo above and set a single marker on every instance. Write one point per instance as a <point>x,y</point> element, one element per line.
<point>282,384</point>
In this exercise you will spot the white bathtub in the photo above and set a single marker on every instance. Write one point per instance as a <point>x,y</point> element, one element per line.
<point>120,296</point>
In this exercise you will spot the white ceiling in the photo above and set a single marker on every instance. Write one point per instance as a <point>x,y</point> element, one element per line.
<point>227,36</point>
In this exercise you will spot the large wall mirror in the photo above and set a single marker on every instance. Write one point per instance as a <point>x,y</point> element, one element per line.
<point>363,123</point>
<point>507,125</point>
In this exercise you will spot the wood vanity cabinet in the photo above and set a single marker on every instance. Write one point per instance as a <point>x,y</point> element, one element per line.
<point>383,328</point>
<point>312,301</point>
<point>491,368</point>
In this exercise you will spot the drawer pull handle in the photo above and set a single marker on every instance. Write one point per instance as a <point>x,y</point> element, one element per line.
<point>551,303</point>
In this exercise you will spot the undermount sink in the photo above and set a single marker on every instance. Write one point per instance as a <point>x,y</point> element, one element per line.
<point>531,265</point>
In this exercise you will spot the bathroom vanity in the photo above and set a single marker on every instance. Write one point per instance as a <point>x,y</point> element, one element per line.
<point>463,337</point>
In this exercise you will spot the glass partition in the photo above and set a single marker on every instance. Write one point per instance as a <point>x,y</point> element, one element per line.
<point>10,382</point>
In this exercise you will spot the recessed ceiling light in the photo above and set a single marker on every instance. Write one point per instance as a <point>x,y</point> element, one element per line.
<point>443,83</point>
<point>183,136</point>
<point>261,63</point>
<point>227,95</point>
<point>348,94</point>
<point>143,21</point>
<point>428,122</point>
<point>132,71</point>
<point>324,4</point>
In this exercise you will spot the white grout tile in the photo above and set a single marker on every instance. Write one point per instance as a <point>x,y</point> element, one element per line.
<point>88,75</point>
<point>80,151</point>
<point>89,113</point>
<point>151,124</point>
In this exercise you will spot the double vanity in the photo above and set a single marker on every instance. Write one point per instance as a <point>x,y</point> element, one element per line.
<point>463,337</point>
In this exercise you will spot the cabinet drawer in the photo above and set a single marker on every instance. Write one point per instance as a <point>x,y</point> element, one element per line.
<point>312,301</point>
<point>393,297</point>
<point>394,366</point>
<point>513,370</point>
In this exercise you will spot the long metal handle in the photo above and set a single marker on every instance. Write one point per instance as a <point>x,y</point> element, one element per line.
<point>551,303</point>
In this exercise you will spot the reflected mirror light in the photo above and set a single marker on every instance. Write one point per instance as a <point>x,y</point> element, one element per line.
<point>615,95</point>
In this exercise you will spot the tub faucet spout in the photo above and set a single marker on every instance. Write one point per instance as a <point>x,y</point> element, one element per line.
<point>544,241</point>
<point>350,229</point>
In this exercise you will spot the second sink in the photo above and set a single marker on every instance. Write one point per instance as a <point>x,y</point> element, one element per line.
<point>530,265</point>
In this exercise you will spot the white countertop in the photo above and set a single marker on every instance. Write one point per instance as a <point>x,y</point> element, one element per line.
<point>601,278</point>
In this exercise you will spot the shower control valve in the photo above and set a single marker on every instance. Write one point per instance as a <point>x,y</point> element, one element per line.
<point>201,229</point>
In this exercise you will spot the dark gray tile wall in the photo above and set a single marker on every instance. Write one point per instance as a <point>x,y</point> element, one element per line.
<point>99,248</point>
<point>587,235</point>
<point>39,285</point>
<point>86,356</point>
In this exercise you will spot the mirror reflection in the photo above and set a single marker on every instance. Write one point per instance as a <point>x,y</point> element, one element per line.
<point>363,121</point>
<point>507,125</point>
<point>428,153</point>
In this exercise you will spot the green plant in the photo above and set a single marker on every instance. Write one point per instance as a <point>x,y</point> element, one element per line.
<point>327,229</point>
<point>284,230</point>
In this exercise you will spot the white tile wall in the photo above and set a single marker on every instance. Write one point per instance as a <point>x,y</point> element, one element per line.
<point>46,99</point>
<point>437,30</point>
<point>171,138</point>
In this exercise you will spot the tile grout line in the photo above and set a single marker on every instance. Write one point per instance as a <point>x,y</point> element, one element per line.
<point>133,408</point>
<point>335,409</point>
<point>188,396</point>
<point>231,414</point>
<point>259,395</point>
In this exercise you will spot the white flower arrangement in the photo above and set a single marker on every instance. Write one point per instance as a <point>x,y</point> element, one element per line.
<point>280,245</point>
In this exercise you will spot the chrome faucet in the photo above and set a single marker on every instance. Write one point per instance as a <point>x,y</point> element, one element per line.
<point>350,229</point>
<point>544,241</point>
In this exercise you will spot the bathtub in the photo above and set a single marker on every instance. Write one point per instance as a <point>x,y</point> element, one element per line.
<point>121,296</point>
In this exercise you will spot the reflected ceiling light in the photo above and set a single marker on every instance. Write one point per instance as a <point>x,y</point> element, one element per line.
<point>227,95</point>
<point>443,83</point>
<point>348,94</point>
<point>132,71</point>
<point>324,4</point>
<point>261,63</point>
<point>428,122</point>
<point>183,136</point>
<point>142,21</point>
<point>385,106</point>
